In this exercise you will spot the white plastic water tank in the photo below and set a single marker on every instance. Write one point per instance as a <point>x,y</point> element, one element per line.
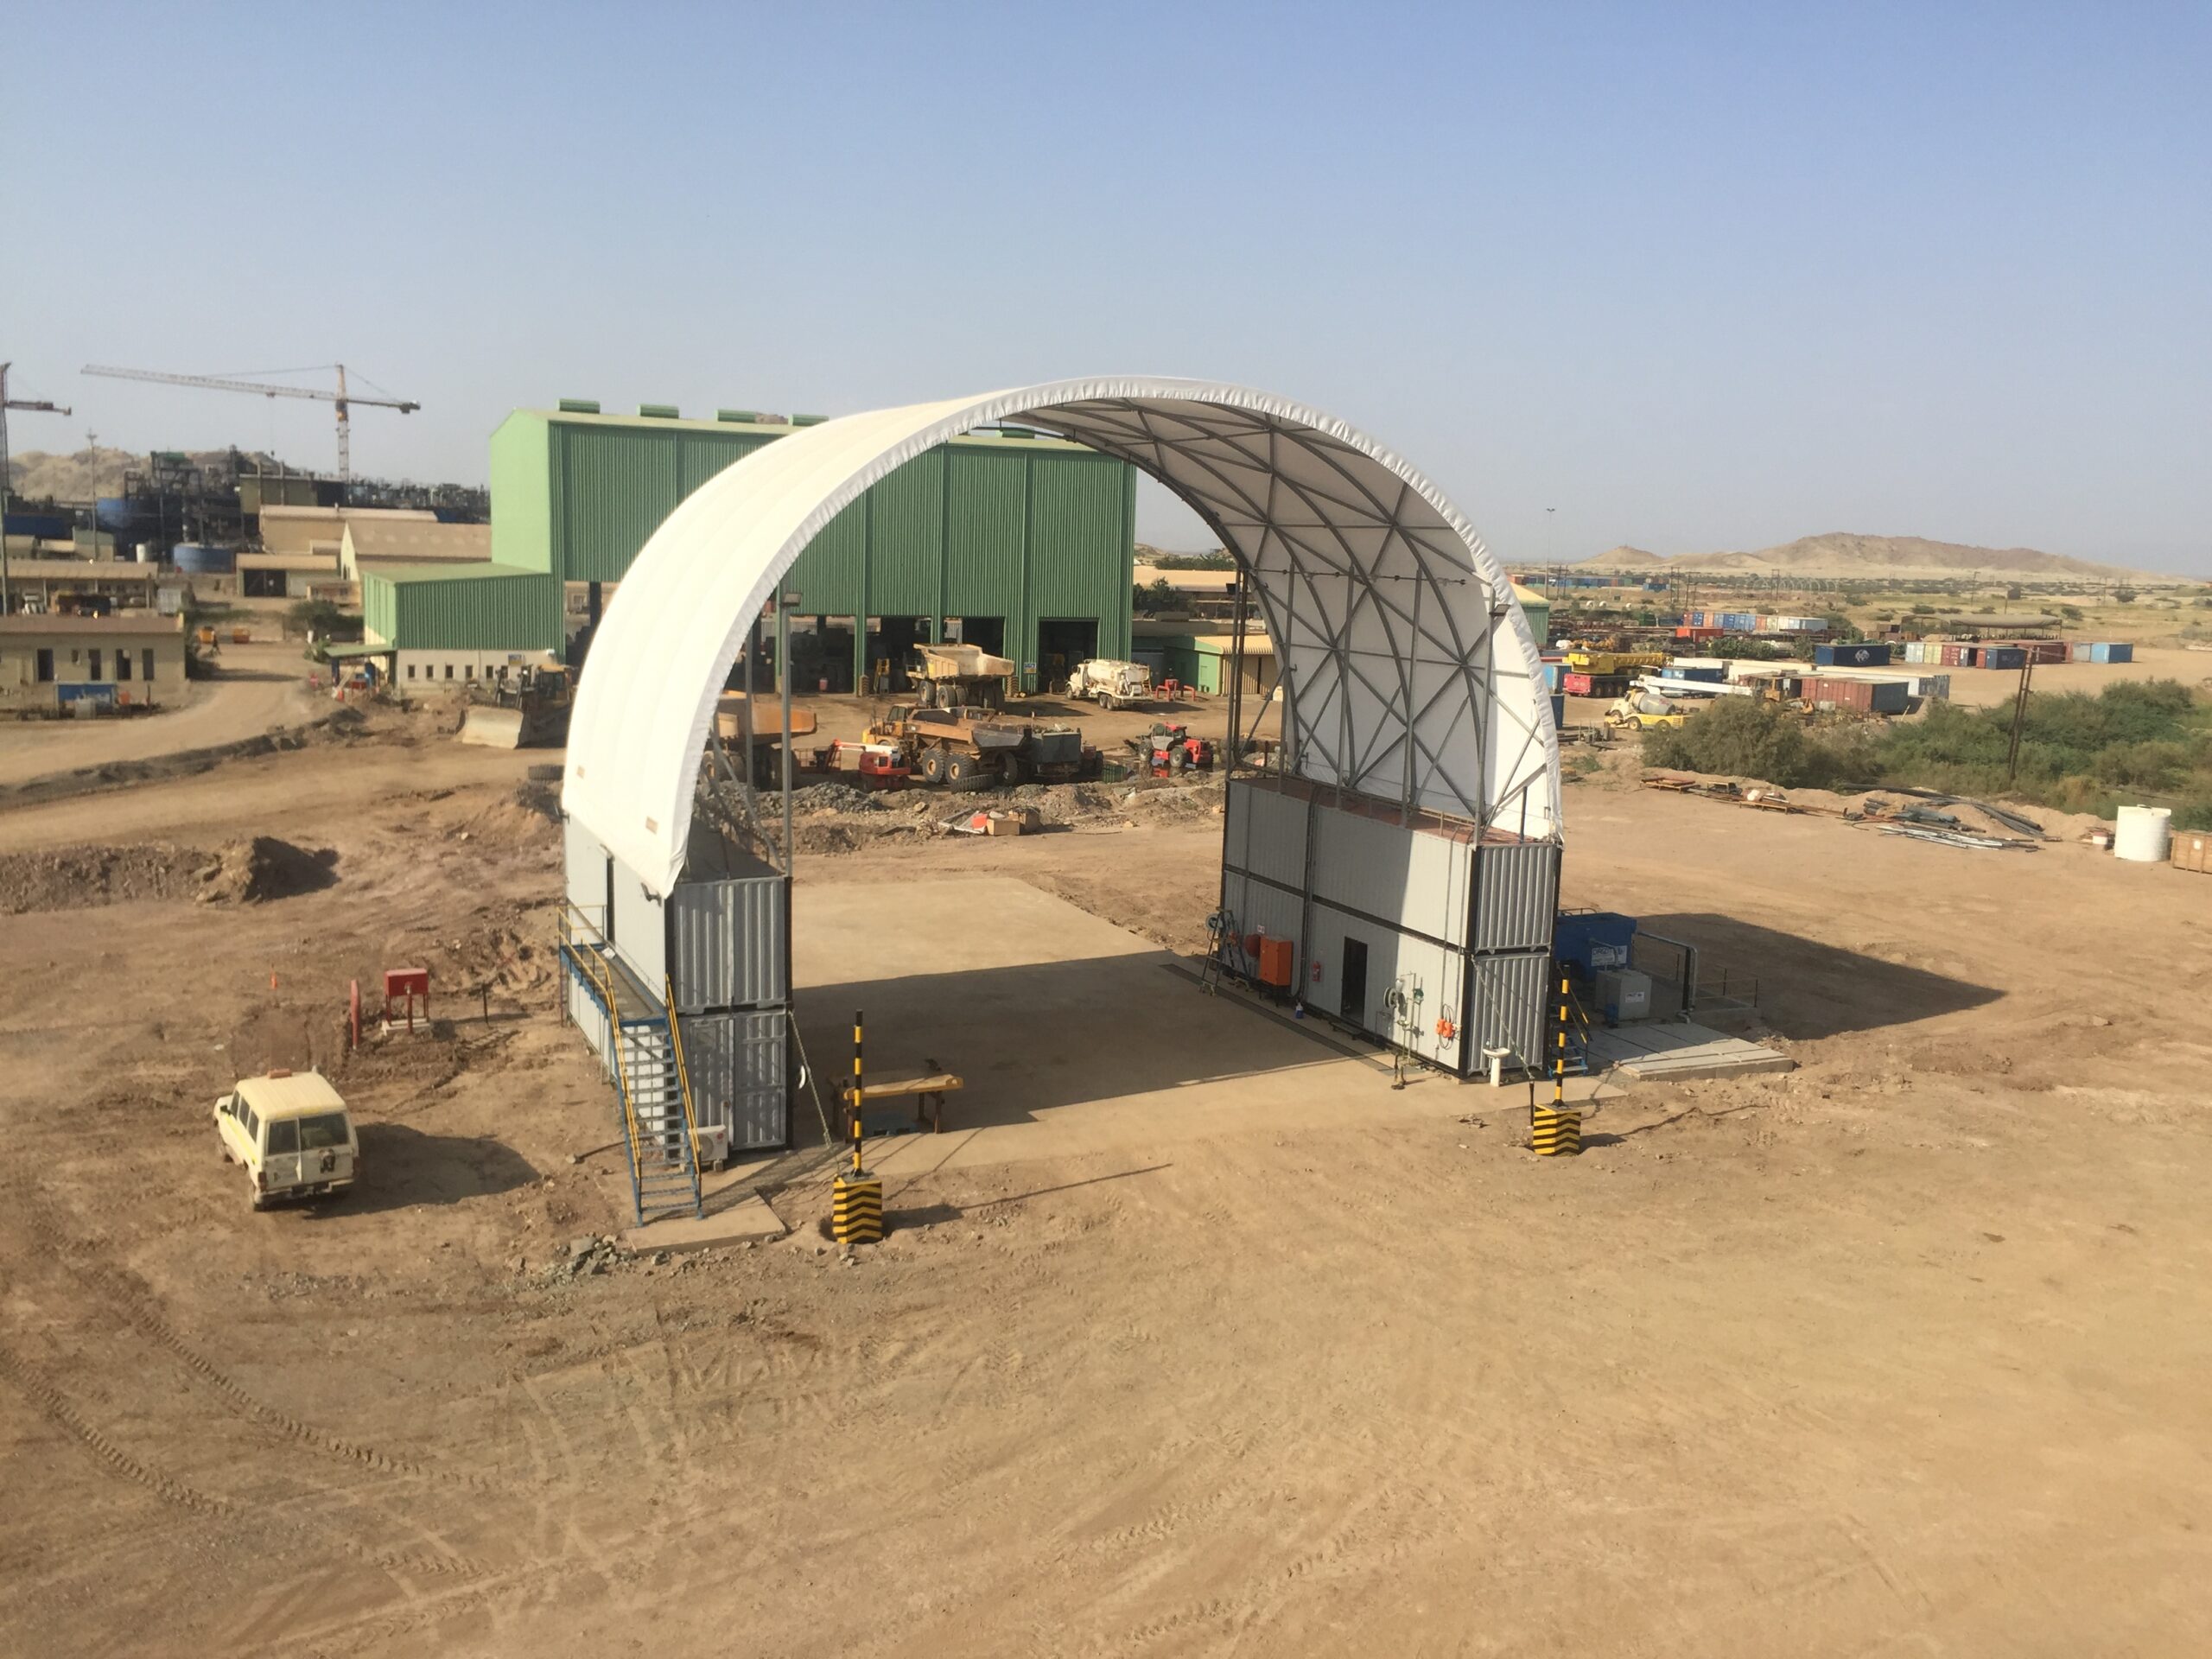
<point>2143,834</point>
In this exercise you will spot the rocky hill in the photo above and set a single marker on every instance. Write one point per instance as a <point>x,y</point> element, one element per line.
<point>87,475</point>
<point>1846,554</point>
<point>1625,559</point>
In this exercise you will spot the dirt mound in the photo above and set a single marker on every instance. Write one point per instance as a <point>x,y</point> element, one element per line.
<point>261,868</point>
<point>77,878</point>
<point>838,797</point>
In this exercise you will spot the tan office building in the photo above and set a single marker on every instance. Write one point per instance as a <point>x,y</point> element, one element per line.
<point>63,664</point>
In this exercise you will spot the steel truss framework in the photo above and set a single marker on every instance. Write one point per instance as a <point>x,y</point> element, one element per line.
<point>1407,671</point>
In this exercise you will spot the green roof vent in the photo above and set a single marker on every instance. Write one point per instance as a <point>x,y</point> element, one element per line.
<point>657,411</point>
<point>748,417</point>
<point>580,405</point>
<point>808,420</point>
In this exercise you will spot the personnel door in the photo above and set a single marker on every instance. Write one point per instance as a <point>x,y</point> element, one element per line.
<point>1351,1002</point>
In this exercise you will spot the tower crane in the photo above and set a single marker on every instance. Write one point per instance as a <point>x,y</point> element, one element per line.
<point>217,382</point>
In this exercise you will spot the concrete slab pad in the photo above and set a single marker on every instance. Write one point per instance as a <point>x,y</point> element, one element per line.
<point>749,1218</point>
<point>1681,1053</point>
<point>1070,1038</point>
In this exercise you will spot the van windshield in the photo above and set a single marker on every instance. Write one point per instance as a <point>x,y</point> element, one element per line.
<point>322,1131</point>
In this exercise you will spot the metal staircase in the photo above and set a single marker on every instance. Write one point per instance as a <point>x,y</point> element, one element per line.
<point>653,1083</point>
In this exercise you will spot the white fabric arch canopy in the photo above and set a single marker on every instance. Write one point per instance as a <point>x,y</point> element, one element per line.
<point>1409,672</point>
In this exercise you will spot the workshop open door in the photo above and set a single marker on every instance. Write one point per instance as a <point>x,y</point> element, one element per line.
<point>1351,991</point>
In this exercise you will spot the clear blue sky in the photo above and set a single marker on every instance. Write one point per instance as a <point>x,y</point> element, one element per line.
<point>1698,277</point>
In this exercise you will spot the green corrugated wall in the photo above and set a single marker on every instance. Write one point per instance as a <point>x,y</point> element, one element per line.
<point>1018,528</point>
<point>517,610</point>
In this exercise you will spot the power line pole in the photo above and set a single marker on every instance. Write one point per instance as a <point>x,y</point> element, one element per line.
<point>2019,718</point>
<point>7,475</point>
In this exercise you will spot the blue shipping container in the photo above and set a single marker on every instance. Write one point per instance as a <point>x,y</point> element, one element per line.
<point>2112,653</point>
<point>1592,942</point>
<point>1860,656</point>
<point>2003,656</point>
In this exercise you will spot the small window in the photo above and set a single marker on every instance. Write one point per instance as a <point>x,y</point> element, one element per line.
<point>252,1123</point>
<point>322,1132</point>
<point>92,669</point>
<point>411,671</point>
<point>45,664</point>
<point>122,665</point>
<point>283,1134</point>
<point>448,670</point>
<point>470,673</point>
<point>146,664</point>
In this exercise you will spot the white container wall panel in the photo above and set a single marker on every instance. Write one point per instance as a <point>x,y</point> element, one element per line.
<point>1266,833</point>
<point>1394,959</point>
<point>1517,896</point>
<point>584,864</point>
<point>1260,908</point>
<point>736,1063</point>
<point>639,930</point>
<point>588,1018</point>
<point>726,940</point>
<point>1506,1008</point>
<point>1405,878</point>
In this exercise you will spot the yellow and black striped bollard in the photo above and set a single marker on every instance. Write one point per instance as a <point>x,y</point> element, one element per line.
<point>856,1197</point>
<point>1556,1132</point>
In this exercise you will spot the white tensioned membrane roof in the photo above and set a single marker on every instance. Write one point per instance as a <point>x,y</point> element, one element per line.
<point>1409,672</point>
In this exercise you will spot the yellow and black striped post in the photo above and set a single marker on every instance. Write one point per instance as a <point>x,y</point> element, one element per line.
<point>1556,1132</point>
<point>856,1197</point>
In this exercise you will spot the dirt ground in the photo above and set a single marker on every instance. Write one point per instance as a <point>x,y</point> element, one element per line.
<point>256,688</point>
<point>1903,1352</point>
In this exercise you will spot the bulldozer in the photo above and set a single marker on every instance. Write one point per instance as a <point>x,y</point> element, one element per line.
<point>526,709</point>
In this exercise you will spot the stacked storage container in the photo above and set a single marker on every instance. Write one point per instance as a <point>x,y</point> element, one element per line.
<point>1853,656</point>
<point>1865,696</point>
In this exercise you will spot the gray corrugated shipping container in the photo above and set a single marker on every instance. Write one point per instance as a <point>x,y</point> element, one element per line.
<point>725,943</point>
<point>1392,957</point>
<point>1259,908</point>
<point>1506,1006</point>
<point>1408,878</point>
<point>736,1065</point>
<point>1517,896</point>
<point>1266,833</point>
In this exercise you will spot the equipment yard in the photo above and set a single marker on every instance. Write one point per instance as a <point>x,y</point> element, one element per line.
<point>1189,1334</point>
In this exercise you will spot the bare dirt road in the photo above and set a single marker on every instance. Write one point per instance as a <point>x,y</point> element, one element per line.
<point>1903,1352</point>
<point>259,688</point>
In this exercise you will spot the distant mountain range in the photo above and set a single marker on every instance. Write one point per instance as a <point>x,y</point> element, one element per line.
<point>1840,553</point>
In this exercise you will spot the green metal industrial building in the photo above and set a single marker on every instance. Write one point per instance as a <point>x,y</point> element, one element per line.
<point>1019,543</point>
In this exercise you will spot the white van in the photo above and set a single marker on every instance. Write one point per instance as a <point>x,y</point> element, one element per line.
<point>292,1133</point>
